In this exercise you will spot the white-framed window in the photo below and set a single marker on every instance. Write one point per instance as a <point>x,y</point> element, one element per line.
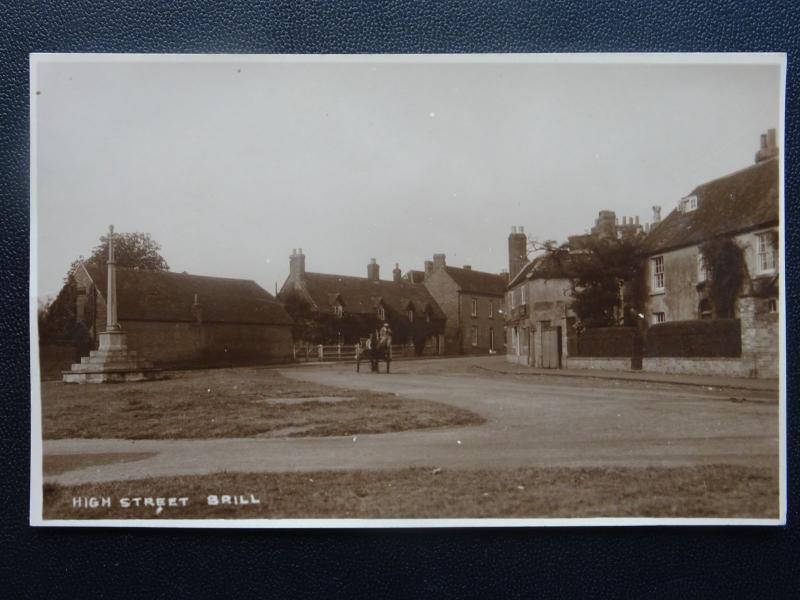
<point>703,272</point>
<point>657,270</point>
<point>512,300</point>
<point>338,310</point>
<point>765,257</point>
<point>381,312</point>
<point>474,335</point>
<point>659,317</point>
<point>524,294</point>
<point>474,307</point>
<point>491,309</point>
<point>689,203</point>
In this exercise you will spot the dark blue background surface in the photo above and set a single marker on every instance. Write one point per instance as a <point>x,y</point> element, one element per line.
<point>160,563</point>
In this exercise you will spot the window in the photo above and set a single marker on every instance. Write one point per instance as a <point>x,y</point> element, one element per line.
<point>491,309</point>
<point>427,316</point>
<point>659,317</point>
<point>511,299</point>
<point>703,272</point>
<point>688,204</point>
<point>474,307</point>
<point>657,269</point>
<point>772,305</point>
<point>381,313</point>
<point>765,259</point>
<point>338,310</point>
<point>523,291</point>
<point>474,335</point>
<point>491,338</point>
<point>410,315</point>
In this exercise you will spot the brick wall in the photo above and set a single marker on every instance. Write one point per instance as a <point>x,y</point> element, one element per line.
<point>482,321</point>
<point>185,344</point>
<point>445,291</point>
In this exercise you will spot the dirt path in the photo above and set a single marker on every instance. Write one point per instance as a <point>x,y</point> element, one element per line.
<point>529,423</point>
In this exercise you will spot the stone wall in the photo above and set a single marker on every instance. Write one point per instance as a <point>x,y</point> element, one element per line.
<point>760,337</point>
<point>599,363</point>
<point>724,367</point>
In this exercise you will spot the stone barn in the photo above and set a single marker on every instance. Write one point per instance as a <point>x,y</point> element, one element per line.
<point>182,320</point>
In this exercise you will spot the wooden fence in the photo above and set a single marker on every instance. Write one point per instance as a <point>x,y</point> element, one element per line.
<point>347,352</point>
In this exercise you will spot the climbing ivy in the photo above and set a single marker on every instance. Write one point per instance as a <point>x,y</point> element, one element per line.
<point>724,259</point>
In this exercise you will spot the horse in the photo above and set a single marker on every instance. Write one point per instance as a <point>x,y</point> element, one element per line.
<point>377,350</point>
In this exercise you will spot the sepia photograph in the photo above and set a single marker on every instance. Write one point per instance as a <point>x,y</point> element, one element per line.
<point>407,290</point>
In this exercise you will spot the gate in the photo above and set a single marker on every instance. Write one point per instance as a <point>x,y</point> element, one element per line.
<point>551,347</point>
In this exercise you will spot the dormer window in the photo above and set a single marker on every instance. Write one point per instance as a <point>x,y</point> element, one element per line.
<point>410,315</point>
<point>381,312</point>
<point>688,204</point>
<point>338,310</point>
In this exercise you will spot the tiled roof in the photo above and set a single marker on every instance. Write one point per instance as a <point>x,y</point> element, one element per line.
<point>168,296</point>
<point>478,282</point>
<point>360,295</point>
<point>546,266</point>
<point>736,203</point>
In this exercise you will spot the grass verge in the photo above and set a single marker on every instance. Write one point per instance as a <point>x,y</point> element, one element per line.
<point>703,491</point>
<point>230,403</point>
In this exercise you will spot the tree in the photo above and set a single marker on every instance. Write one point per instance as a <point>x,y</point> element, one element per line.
<point>606,275</point>
<point>132,250</point>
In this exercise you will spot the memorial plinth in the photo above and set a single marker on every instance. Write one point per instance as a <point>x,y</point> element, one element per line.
<point>112,361</point>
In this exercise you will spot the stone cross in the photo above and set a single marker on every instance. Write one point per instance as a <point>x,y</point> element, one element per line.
<point>111,297</point>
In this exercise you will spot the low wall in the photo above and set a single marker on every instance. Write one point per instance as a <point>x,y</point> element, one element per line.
<point>599,363</point>
<point>719,366</point>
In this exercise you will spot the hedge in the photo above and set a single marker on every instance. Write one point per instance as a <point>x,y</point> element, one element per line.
<point>706,338</point>
<point>608,342</point>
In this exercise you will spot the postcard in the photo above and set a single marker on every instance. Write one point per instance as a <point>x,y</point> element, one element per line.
<point>407,290</point>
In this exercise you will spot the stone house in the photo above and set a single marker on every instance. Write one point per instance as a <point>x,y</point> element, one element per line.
<point>341,309</point>
<point>182,320</point>
<point>742,207</point>
<point>473,303</point>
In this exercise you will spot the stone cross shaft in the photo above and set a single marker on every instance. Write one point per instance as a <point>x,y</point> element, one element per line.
<point>111,297</point>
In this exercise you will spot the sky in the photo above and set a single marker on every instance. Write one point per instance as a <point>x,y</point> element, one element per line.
<point>231,164</point>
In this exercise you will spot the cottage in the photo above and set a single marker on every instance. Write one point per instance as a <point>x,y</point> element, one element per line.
<point>341,309</point>
<point>182,320</point>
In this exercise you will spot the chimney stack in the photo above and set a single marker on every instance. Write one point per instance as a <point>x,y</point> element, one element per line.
<point>438,262</point>
<point>656,214</point>
<point>373,270</point>
<point>468,267</point>
<point>297,263</point>
<point>517,251</point>
<point>769,146</point>
<point>428,268</point>
<point>397,274</point>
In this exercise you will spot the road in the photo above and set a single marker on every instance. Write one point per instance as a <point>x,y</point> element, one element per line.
<point>531,421</point>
